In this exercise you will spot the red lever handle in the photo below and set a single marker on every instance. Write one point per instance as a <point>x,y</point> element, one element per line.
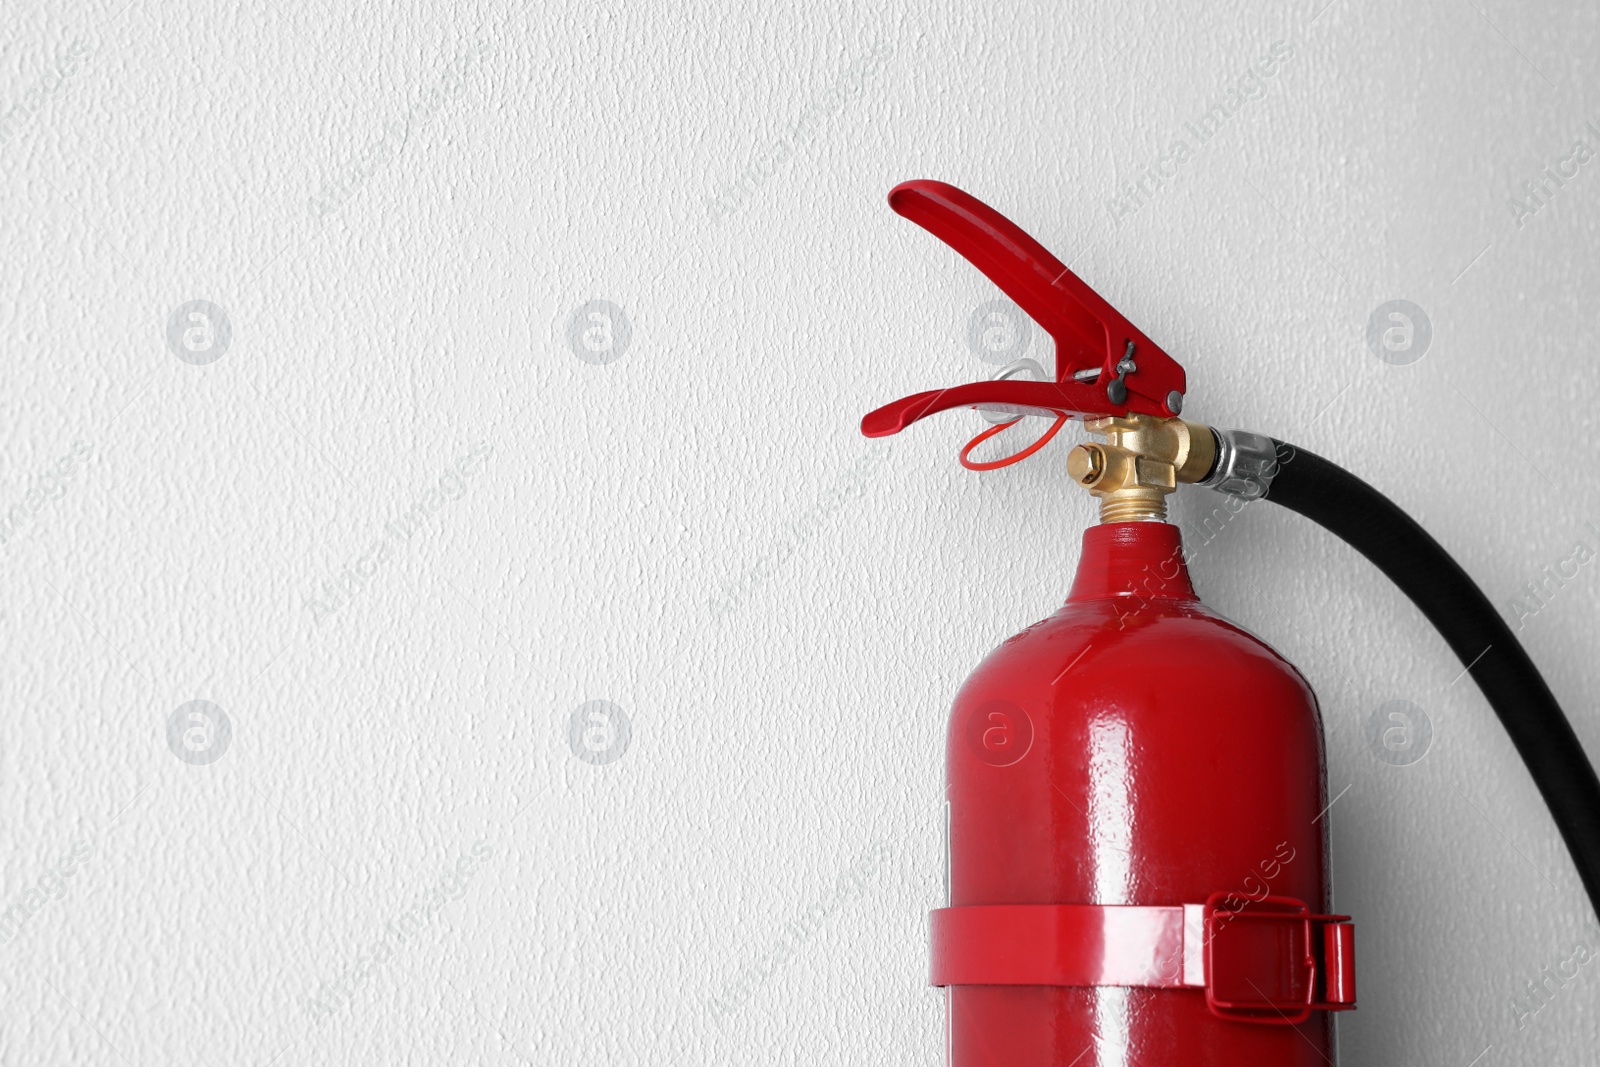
<point>1104,364</point>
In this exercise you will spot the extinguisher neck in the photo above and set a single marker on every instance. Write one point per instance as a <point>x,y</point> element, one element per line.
<point>1132,559</point>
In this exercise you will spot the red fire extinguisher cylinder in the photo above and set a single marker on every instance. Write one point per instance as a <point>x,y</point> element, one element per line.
<point>1136,795</point>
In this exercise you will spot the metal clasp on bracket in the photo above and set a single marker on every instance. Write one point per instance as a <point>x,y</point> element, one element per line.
<point>1275,962</point>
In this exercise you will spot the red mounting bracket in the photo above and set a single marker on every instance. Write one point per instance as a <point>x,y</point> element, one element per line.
<point>1268,961</point>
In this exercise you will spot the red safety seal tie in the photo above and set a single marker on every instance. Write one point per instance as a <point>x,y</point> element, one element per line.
<point>994,465</point>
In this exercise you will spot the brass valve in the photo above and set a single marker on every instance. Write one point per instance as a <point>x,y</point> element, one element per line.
<point>1142,460</point>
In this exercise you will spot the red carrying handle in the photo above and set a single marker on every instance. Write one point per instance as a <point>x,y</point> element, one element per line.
<point>1092,338</point>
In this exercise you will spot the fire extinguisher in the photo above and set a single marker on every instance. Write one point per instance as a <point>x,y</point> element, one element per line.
<point>1136,817</point>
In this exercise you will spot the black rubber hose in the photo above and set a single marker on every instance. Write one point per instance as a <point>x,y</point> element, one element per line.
<point>1374,526</point>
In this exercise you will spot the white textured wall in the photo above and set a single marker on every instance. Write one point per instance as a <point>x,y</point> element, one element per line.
<point>400,212</point>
